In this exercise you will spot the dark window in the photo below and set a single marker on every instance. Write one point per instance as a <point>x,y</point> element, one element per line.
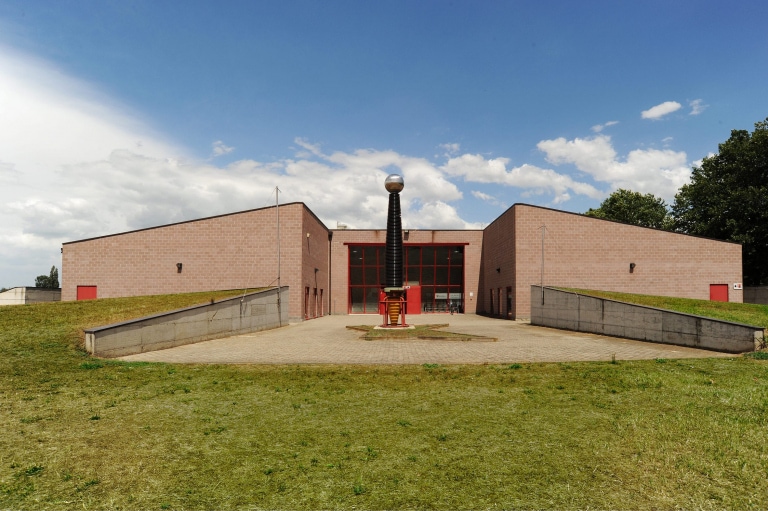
<point>439,270</point>
<point>371,276</point>
<point>413,274</point>
<point>369,256</point>
<point>372,300</point>
<point>457,255</point>
<point>441,255</point>
<point>427,275</point>
<point>441,275</point>
<point>414,256</point>
<point>456,274</point>
<point>356,297</point>
<point>356,257</point>
<point>428,256</point>
<point>356,276</point>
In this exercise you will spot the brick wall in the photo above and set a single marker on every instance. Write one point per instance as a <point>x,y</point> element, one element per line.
<point>498,268</point>
<point>315,267</point>
<point>223,252</point>
<point>239,250</point>
<point>584,252</point>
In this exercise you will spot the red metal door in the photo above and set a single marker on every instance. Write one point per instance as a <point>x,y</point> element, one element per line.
<point>413,300</point>
<point>86,292</point>
<point>718,292</point>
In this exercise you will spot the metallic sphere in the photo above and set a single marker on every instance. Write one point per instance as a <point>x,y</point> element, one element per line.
<point>394,183</point>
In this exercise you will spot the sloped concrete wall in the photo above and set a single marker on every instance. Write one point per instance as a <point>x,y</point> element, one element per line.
<point>581,313</point>
<point>758,294</point>
<point>14,296</point>
<point>238,315</point>
<point>27,295</point>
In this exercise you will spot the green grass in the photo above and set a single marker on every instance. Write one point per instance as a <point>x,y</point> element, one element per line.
<point>84,433</point>
<point>746,313</point>
<point>371,333</point>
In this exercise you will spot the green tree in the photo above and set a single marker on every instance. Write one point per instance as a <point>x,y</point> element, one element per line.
<point>49,281</point>
<point>727,199</point>
<point>634,208</point>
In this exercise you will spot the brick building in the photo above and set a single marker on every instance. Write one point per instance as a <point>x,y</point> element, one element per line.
<point>341,271</point>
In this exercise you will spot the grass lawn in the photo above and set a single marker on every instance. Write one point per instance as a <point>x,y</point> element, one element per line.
<point>746,313</point>
<point>373,333</point>
<point>79,432</point>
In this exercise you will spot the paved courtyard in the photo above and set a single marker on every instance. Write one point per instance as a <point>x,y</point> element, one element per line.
<point>327,341</point>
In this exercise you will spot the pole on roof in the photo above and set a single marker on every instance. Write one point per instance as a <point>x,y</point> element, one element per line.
<point>279,289</point>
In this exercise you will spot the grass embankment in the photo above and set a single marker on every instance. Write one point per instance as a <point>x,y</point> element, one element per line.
<point>80,432</point>
<point>746,313</point>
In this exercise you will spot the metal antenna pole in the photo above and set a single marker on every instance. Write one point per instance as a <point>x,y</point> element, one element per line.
<point>279,288</point>
<point>543,230</point>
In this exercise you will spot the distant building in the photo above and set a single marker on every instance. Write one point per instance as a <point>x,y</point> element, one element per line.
<point>341,271</point>
<point>26,295</point>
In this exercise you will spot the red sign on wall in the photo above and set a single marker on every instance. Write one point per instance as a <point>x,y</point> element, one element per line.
<point>86,292</point>
<point>718,292</point>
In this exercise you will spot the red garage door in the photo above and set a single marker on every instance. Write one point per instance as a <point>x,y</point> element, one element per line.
<point>718,292</point>
<point>86,292</point>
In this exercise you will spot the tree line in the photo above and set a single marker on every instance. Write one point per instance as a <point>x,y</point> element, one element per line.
<point>726,199</point>
<point>48,281</point>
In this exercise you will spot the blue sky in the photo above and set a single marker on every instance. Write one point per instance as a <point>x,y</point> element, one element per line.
<point>122,115</point>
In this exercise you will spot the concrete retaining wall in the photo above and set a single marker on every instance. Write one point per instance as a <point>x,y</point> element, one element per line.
<point>572,311</point>
<point>27,295</point>
<point>758,294</point>
<point>238,315</point>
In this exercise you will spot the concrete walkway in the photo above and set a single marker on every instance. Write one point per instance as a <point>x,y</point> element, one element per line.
<point>327,341</point>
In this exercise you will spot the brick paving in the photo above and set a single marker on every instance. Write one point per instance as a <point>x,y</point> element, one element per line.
<point>327,341</point>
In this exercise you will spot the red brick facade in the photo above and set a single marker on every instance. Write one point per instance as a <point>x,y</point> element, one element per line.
<point>500,263</point>
<point>589,253</point>
<point>223,252</point>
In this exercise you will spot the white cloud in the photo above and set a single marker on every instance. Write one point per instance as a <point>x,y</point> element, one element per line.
<point>659,111</point>
<point>421,176</point>
<point>597,128</point>
<point>490,199</point>
<point>697,106</point>
<point>483,196</point>
<point>309,149</point>
<point>134,191</point>
<point>219,149</point>
<point>660,172</point>
<point>591,155</point>
<point>475,168</point>
<point>439,215</point>
<point>71,120</point>
<point>50,120</point>
<point>450,149</point>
